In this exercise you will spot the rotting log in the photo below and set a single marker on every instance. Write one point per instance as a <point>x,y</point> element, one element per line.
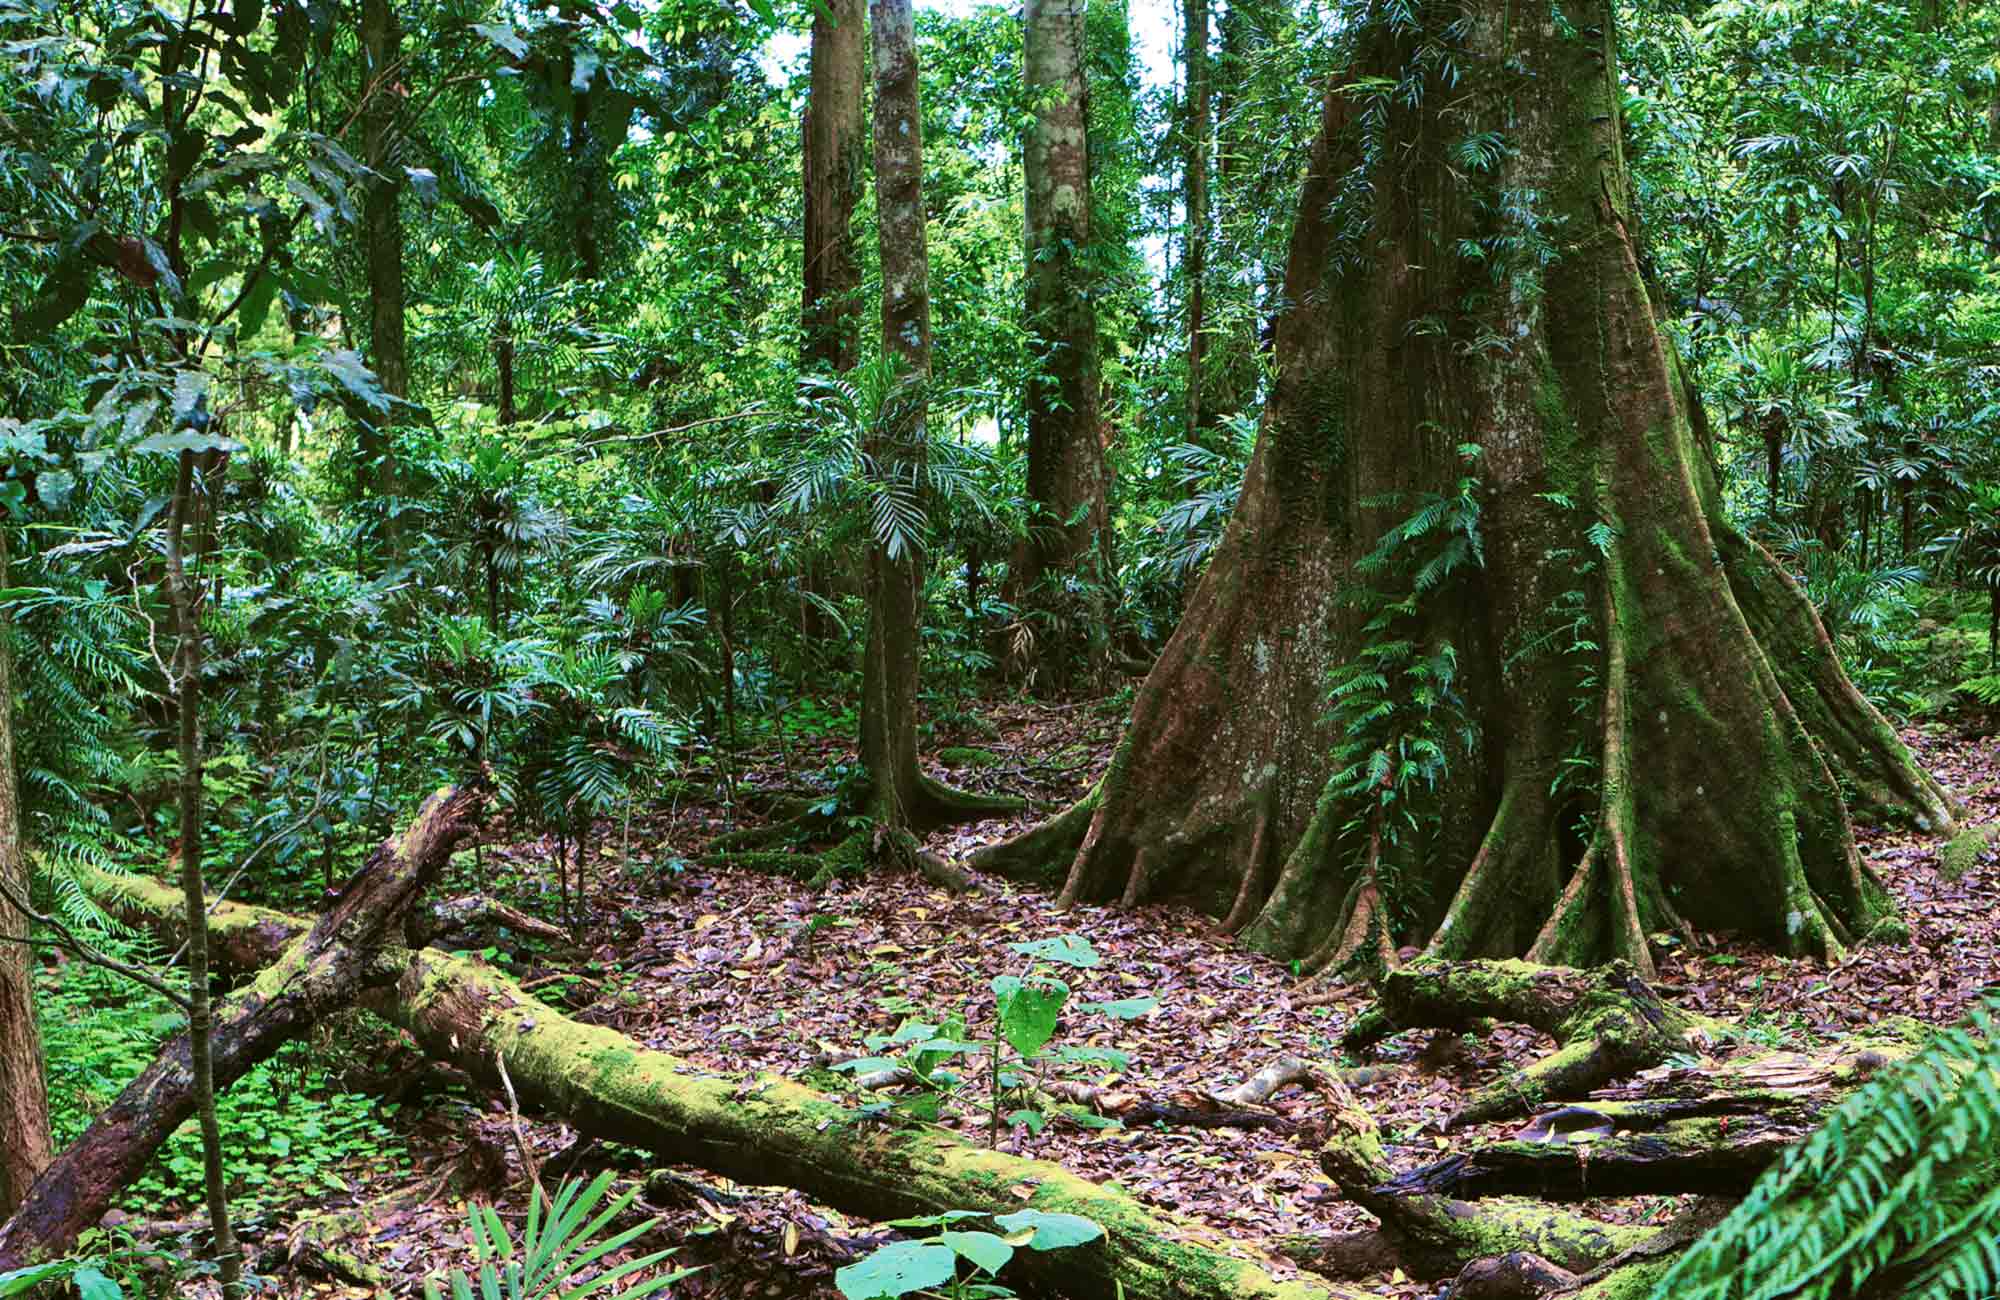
<point>314,967</point>
<point>1435,1235</point>
<point>1607,1023</point>
<point>766,1129</point>
<point>1672,1130</point>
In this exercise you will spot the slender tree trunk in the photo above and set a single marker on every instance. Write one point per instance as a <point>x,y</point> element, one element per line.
<point>584,183</point>
<point>1616,626</point>
<point>900,795</point>
<point>1196,128</point>
<point>382,232</point>
<point>503,363</point>
<point>1068,529</point>
<point>24,1104</point>
<point>831,310</point>
<point>186,596</point>
<point>834,165</point>
<point>895,445</point>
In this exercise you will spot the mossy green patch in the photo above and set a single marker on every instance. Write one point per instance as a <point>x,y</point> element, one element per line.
<point>1963,851</point>
<point>967,756</point>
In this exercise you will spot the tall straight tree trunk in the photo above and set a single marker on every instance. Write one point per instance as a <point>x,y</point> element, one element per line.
<point>1068,529</point>
<point>24,1103</point>
<point>583,175</point>
<point>900,794</point>
<point>185,593</point>
<point>895,444</point>
<point>831,310</point>
<point>382,232</point>
<point>1617,626</point>
<point>1196,129</point>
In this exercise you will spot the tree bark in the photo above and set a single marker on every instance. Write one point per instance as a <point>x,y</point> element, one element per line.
<point>1196,128</point>
<point>315,967</point>
<point>24,1103</point>
<point>761,1129</point>
<point>901,797</point>
<point>1616,625</point>
<point>1068,528</point>
<point>382,233</point>
<point>831,312</point>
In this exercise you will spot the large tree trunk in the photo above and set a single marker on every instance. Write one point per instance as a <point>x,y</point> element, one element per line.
<point>831,315</point>
<point>762,1129</point>
<point>24,1103</point>
<point>382,233</point>
<point>1617,626</point>
<point>1068,529</point>
<point>316,967</point>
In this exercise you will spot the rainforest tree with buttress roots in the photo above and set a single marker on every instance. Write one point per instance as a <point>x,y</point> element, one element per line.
<point>1481,661</point>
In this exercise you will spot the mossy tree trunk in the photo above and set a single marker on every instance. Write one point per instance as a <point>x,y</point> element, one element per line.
<point>1660,732</point>
<point>24,1103</point>
<point>1069,533</point>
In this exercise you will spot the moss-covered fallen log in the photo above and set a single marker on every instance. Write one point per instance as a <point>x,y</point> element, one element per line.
<point>1606,1020</point>
<point>314,967</point>
<point>1435,1235</point>
<point>1710,1130</point>
<point>763,1129</point>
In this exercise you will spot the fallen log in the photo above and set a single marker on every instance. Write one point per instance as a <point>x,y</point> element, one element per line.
<point>319,967</point>
<point>766,1129</point>
<point>1672,1130</point>
<point>1435,1235</point>
<point>1606,1021</point>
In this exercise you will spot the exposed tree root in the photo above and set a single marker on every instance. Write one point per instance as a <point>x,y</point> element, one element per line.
<point>1041,855</point>
<point>852,856</point>
<point>1607,1021</point>
<point>766,1129</point>
<point>315,968</point>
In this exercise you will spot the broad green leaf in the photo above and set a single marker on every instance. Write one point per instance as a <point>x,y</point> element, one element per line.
<point>23,1280</point>
<point>504,36</point>
<point>984,1249</point>
<point>1123,1008</point>
<point>897,1270</point>
<point>256,306</point>
<point>91,1284</point>
<point>934,1220</point>
<point>1027,1010</point>
<point>187,440</point>
<point>354,375</point>
<point>62,295</point>
<point>1052,1231</point>
<point>1066,950</point>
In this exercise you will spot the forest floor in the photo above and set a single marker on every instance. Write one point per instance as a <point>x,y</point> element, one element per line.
<point>736,972</point>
